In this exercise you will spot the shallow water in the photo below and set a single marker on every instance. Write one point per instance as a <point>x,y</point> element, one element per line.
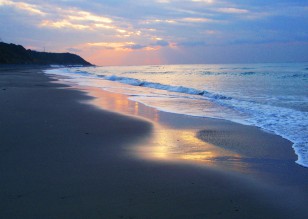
<point>271,96</point>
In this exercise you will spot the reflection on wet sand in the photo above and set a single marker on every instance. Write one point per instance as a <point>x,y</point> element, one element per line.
<point>168,143</point>
<point>183,145</point>
<point>120,103</point>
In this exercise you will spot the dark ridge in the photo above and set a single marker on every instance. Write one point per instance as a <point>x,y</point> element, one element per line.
<point>17,54</point>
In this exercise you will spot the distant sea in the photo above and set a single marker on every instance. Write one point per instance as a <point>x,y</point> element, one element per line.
<point>273,97</point>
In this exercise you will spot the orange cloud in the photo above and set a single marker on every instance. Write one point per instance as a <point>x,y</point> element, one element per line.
<point>197,20</point>
<point>181,20</point>
<point>112,45</point>
<point>78,20</point>
<point>204,1</point>
<point>32,9</point>
<point>63,24</point>
<point>87,16</point>
<point>233,10</point>
<point>120,53</point>
<point>123,57</point>
<point>127,46</point>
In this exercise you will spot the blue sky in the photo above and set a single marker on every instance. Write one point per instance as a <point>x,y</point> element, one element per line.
<point>127,32</point>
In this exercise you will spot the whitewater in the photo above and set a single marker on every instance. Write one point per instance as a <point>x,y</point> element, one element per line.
<point>272,96</point>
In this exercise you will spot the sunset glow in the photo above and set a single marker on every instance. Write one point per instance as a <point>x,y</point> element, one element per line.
<point>167,31</point>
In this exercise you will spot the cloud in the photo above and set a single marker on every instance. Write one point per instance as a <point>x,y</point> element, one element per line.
<point>22,6</point>
<point>112,45</point>
<point>63,24</point>
<point>136,47</point>
<point>161,43</point>
<point>151,21</point>
<point>56,16</point>
<point>77,15</point>
<point>142,25</point>
<point>181,21</point>
<point>163,1</point>
<point>129,45</point>
<point>204,1</point>
<point>152,46</point>
<point>187,1</point>
<point>233,10</point>
<point>211,32</point>
<point>73,50</point>
<point>197,20</point>
<point>77,19</point>
<point>192,44</point>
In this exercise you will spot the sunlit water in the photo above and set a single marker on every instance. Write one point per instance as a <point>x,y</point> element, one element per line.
<point>271,96</point>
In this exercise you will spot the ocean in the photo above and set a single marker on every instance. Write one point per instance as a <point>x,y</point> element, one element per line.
<point>272,96</point>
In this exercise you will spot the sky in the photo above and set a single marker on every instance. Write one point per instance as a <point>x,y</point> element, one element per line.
<point>147,32</point>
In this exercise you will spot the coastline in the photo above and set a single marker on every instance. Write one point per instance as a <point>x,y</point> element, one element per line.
<point>235,147</point>
<point>61,158</point>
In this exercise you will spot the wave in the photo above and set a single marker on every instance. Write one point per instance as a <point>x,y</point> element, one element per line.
<point>303,76</point>
<point>299,76</point>
<point>248,73</point>
<point>270,118</point>
<point>158,86</point>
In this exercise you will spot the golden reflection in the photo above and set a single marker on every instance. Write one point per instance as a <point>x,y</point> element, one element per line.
<point>206,155</point>
<point>120,103</point>
<point>177,145</point>
<point>168,143</point>
<point>136,110</point>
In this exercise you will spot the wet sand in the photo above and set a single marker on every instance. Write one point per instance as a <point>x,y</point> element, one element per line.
<point>62,157</point>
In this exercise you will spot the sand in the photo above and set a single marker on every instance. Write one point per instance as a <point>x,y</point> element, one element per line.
<point>62,157</point>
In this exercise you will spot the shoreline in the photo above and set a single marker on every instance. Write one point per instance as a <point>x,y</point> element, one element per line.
<point>63,158</point>
<point>243,149</point>
<point>270,119</point>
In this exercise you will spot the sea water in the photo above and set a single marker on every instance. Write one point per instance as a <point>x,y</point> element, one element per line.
<point>273,97</point>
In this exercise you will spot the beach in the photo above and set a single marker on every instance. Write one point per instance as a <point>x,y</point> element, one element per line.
<point>78,152</point>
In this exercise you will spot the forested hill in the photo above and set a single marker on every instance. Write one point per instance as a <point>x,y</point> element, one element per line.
<point>16,54</point>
